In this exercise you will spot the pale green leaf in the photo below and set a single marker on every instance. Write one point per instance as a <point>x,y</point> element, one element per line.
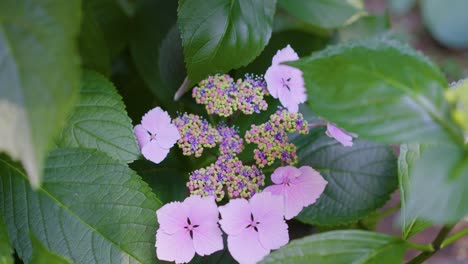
<point>42,255</point>
<point>39,76</point>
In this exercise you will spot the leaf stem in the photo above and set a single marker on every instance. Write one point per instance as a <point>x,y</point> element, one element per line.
<point>449,240</point>
<point>421,247</point>
<point>436,244</point>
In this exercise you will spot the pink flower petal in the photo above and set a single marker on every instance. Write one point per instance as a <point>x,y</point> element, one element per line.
<point>282,174</point>
<point>293,203</point>
<point>154,119</point>
<point>207,238</point>
<point>273,78</point>
<point>341,136</point>
<point>152,151</point>
<point>245,247</point>
<point>265,204</point>
<point>235,216</point>
<point>310,185</point>
<point>167,136</point>
<point>142,135</point>
<point>285,54</point>
<point>172,217</point>
<point>202,209</point>
<point>177,247</point>
<point>273,231</point>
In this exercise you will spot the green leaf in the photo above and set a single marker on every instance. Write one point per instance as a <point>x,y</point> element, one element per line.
<point>409,154</point>
<point>437,185</point>
<point>360,178</point>
<point>42,255</point>
<point>90,209</point>
<point>221,35</point>
<point>156,48</point>
<point>93,47</point>
<point>381,90</point>
<point>6,251</point>
<point>324,13</point>
<point>39,76</point>
<point>99,121</point>
<point>401,7</point>
<point>341,247</point>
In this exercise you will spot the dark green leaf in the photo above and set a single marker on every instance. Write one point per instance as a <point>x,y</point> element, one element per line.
<point>221,35</point>
<point>113,22</point>
<point>437,186</point>
<point>409,154</point>
<point>381,90</point>
<point>6,251</point>
<point>42,255</point>
<point>99,121</point>
<point>93,47</point>
<point>324,13</point>
<point>341,247</point>
<point>360,178</point>
<point>90,209</point>
<point>39,76</point>
<point>157,49</point>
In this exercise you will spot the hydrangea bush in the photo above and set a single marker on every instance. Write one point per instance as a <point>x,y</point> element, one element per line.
<point>217,131</point>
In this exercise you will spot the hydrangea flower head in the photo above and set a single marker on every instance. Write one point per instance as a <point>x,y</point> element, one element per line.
<point>286,82</point>
<point>196,134</point>
<point>254,227</point>
<point>156,135</point>
<point>297,187</point>
<point>231,142</point>
<point>186,228</point>
<point>222,96</point>
<point>271,138</point>
<point>342,136</point>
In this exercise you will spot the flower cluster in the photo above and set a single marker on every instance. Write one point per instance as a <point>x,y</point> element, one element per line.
<point>222,96</point>
<point>196,134</point>
<point>254,227</point>
<point>231,142</point>
<point>271,137</point>
<point>227,174</point>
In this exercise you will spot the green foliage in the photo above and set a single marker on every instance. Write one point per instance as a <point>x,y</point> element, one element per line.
<point>99,121</point>
<point>341,247</point>
<point>409,154</point>
<point>324,13</point>
<point>90,209</point>
<point>437,185</point>
<point>6,251</point>
<point>42,255</point>
<point>366,26</point>
<point>381,90</point>
<point>39,76</point>
<point>360,179</point>
<point>401,7</point>
<point>234,27</point>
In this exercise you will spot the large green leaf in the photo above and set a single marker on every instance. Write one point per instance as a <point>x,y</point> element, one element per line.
<point>341,247</point>
<point>99,121</point>
<point>437,185</point>
<point>39,76</point>
<point>6,251</point>
<point>324,13</point>
<point>360,178</point>
<point>409,154</point>
<point>42,255</point>
<point>221,35</point>
<point>381,90</point>
<point>90,209</point>
<point>366,26</point>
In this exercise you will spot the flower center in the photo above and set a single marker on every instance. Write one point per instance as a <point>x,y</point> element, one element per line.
<point>285,83</point>
<point>152,136</point>
<point>190,227</point>
<point>253,223</point>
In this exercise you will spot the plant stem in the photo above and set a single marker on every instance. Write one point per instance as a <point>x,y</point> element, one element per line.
<point>436,244</point>
<point>421,247</point>
<point>449,240</point>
